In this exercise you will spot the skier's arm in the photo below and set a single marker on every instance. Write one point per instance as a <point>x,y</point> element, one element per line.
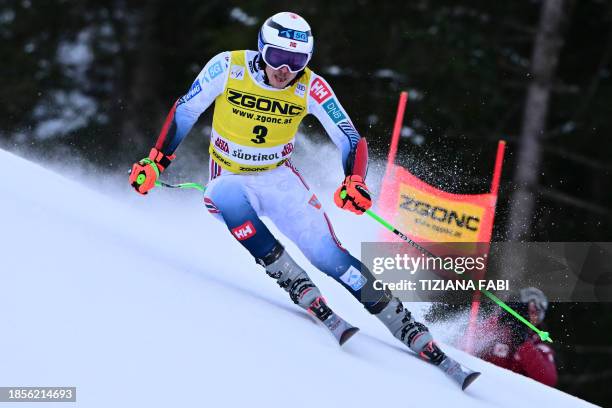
<point>323,103</point>
<point>179,121</point>
<point>188,108</point>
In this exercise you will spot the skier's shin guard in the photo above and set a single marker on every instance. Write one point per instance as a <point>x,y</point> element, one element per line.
<point>290,276</point>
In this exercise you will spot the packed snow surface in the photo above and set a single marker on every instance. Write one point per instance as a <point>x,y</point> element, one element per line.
<point>149,302</point>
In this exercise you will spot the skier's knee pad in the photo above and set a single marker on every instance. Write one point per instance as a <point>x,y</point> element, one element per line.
<point>290,276</point>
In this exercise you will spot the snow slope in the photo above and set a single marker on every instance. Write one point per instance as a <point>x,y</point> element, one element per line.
<point>148,302</point>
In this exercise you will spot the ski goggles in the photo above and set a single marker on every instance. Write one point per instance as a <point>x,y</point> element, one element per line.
<point>278,57</point>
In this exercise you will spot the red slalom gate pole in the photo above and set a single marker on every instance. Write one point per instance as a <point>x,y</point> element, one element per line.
<point>397,128</point>
<point>385,202</point>
<point>499,160</point>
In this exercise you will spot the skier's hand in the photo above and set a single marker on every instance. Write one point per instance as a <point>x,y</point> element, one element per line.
<point>144,174</point>
<point>357,198</point>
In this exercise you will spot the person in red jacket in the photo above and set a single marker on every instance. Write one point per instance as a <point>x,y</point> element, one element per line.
<point>517,348</point>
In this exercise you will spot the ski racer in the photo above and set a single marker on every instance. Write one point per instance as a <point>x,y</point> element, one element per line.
<point>260,99</point>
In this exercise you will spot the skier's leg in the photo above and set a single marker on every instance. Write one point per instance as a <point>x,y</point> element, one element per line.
<point>228,198</point>
<point>290,276</point>
<point>299,215</point>
<point>338,263</point>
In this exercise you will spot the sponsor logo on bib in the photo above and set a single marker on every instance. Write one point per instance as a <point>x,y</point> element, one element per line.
<point>262,104</point>
<point>222,145</point>
<point>300,89</point>
<point>237,72</point>
<point>287,149</point>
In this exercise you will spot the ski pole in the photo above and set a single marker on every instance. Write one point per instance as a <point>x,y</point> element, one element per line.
<point>544,336</point>
<point>141,179</point>
<point>195,186</point>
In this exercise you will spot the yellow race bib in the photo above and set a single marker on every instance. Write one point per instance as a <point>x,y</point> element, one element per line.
<point>254,127</point>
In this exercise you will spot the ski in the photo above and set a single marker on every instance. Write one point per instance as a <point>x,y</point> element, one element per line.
<point>458,372</point>
<point>338,327</point>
